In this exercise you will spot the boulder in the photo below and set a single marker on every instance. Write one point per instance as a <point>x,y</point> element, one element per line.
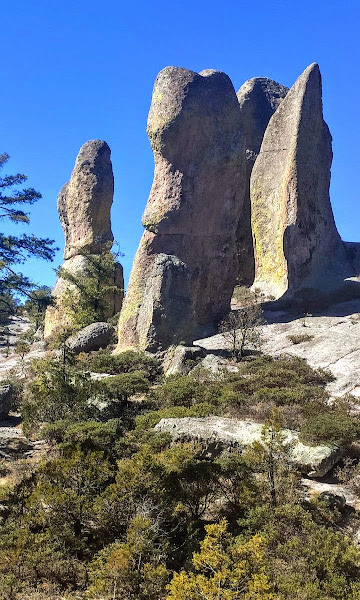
<point>216,365</point>
<point>92,337</point>
<point>334,494</point>
<point>297,245</point>
<point>84,205</point>
<point>5,400</point>
<point>175,363</point>
<point>14,445</point>
<point>185,269</point>
<point>258,98</point>
<point>219,435</point>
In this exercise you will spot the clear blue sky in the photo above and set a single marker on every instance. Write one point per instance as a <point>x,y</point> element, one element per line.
<point>77,70</point>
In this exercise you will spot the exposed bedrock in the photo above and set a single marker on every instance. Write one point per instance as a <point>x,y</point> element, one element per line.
<point>258,98</point>
<point>297,245</point>
<point>185,268</point>
<point>84,205</point>
<point>220,435</point>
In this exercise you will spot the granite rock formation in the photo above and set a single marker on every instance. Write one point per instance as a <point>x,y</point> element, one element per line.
<point>84,205</point>
<point>220,435</point>
<point>297,245</point>
<point>185,268</point>
<point>258,98</point>
<point>92,337</point>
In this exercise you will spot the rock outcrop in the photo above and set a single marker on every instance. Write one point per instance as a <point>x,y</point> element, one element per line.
<point>258,98</point>
<point>297,245</point>
<point>185,268</point>
<point>92,337</point>
<point>84,205</point>
<point>218,435</point>
<point>181,359</point>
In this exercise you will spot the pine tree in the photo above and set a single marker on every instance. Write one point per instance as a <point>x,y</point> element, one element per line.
<point>14,250</point>
<point>89,296</point>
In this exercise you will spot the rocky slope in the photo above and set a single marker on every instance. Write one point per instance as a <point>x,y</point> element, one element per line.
<point>334,342</point>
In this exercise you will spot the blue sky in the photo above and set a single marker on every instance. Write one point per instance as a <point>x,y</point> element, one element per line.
<point>77,70</point>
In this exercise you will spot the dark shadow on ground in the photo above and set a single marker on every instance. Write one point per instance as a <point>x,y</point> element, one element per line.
<point>10,421</point>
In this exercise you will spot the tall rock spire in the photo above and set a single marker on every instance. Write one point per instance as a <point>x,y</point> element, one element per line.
<point>185,268</point>
<point>84,203</point>
<point>84,206</point>
<point>259,98</point>
<point>297,245</point>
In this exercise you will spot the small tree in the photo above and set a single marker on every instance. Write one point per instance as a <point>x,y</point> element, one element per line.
<point>226,568</point>
<point>243,328</point>
<point>36,306</point>
<point>270,456</point>
<point>90,293</point>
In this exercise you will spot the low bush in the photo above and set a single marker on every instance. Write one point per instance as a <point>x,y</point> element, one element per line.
<point>88,435</point>
<point>182,390</point>
<point>299,338</point>
<point>332,426</point>
<point>126,362</point>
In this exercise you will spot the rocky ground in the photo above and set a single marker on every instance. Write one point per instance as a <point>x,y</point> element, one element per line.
<point>333,342</point>
<point>9,336</point>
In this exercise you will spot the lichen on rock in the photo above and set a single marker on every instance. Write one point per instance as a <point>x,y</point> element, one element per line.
<point>185,269</point>
<point>296,242</point>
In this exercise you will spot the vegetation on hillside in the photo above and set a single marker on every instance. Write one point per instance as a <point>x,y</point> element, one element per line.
<point>116,511</point>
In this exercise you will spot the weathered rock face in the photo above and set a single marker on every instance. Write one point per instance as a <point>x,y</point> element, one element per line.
<point>185,268</point>
<point>219,435</point>
<point>84,203</point>
<point>92,337</point>
<point>84,206</point>
<point>258,99</point>
<point>177,359</point>
<point>297,245</point>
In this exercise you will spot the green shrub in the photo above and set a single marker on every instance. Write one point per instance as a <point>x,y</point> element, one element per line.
<point>125,362</point>
<point>56,393</point>
<point>331,426</point>
<point>300,394</point>
<point>120,387</point>
<point>88,435</point>
<point>150,419</point>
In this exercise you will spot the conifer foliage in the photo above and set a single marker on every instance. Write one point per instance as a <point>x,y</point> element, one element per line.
<point>14,250</point>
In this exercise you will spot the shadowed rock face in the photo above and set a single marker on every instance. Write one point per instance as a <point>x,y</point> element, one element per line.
<point>258,99</point>
<point>185,268</point>
<point>297,245</point>
<point>84,205</point>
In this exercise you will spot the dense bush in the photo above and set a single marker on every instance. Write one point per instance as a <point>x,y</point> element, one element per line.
<point>116,511</point>
<point>125,362</point>
<point>331,426</point>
